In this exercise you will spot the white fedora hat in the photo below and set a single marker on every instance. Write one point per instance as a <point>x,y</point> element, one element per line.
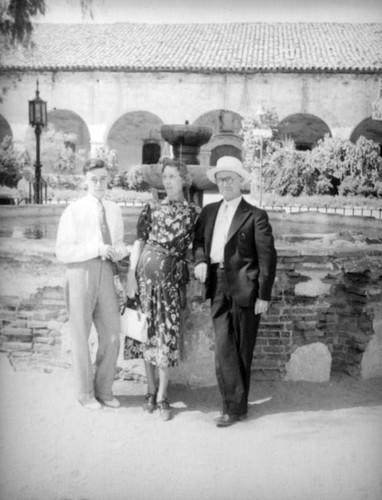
<point>228,164</point>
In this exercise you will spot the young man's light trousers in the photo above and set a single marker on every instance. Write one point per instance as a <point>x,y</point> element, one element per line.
<point>91,298</point>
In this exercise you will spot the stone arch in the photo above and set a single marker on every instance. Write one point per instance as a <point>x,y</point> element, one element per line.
<point>226,139</point>
<point>305,130</point>
<point>131,134</point>
<point>224,150</point>
<point>69,122</point>
<point>370,129</point>
<point>5,129</point>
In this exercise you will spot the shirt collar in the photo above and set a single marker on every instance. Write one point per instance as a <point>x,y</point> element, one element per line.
<point>233,203</point>
<point>93,199</point>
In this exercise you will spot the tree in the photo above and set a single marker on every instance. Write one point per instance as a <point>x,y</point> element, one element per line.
<point>57,152</point>
<point>135,179</point>
<point>110,157</point>
<point>287,170</point>
<point>250,144</point>
<point>15,18</point>
<point>12,163</point>
<point>365,170</point>
<point>330,159</point>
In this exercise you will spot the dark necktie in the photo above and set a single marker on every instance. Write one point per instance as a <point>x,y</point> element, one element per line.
<point>103,224</point>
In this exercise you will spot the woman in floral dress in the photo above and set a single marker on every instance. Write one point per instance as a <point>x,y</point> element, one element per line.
<point>159,272</point>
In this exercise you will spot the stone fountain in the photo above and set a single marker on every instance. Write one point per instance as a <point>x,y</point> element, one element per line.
<point>186,141</point>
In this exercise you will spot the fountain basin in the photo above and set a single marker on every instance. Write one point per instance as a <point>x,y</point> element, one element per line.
<point>187,135</point>
<point>186,140</point>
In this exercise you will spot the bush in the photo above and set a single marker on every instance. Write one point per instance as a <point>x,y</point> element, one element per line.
<point>57,153</point>
<point>65,182</point>
<point>334,166</point>
<point>128,196</point>
<point>12,163</point>
<point>286,170</point>
<point>134,179</point>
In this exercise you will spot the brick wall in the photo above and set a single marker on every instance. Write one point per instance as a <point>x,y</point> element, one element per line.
<point>319,296</point>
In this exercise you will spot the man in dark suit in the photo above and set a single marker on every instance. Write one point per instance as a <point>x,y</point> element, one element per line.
<point>236,259</point>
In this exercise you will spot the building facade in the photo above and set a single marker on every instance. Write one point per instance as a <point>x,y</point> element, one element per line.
<point>117,84</point>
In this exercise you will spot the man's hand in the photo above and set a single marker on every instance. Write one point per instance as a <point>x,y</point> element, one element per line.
<point>200,272</point>
<point>261,306</point>
<point>106,252</point>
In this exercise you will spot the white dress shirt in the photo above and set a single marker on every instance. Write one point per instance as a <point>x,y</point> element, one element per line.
<point>223,221</point>
<point>79,234</point>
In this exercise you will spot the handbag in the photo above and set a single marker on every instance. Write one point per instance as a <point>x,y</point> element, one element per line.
<point>120,269</point>
<point>134,323</point>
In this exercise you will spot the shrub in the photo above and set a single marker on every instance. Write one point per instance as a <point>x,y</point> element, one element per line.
<point>12,163</point>
<point>65,181</point>
<point>110,157</point>
<point>57,154</point>
<point>134,178</point>
<point>286,170</point>
<point>330,160</point>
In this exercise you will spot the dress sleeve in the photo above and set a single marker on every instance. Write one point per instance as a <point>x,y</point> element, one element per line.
<point>144,223</point>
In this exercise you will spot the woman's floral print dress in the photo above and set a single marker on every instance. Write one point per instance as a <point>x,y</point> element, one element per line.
<point>167,228</point>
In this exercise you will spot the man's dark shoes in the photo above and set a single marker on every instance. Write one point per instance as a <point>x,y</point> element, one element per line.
<point>150,403</point>
<point>227,419</point>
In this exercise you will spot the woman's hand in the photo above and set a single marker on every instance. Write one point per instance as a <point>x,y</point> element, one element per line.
<point>132,285</point>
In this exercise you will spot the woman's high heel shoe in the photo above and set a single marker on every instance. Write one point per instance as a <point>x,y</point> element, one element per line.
<point>150,403</point>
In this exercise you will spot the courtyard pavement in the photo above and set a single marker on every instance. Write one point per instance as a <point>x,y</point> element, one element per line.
<point>53,449</point>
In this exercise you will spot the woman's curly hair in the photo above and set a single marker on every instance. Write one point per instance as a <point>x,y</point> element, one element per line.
<point>181,167</point>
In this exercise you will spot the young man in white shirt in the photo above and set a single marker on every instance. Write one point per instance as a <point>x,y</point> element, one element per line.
<point>89,239</point>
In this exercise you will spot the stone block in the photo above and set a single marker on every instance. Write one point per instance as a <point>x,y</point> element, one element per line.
<point>9,331</point>
<point>10,302</point>
<point>44,340</point>
<point>54,293</point>
<point>311,363</point>
<point>266,374</point>
<point>37,324</point>
<point>371,364</point>
<point>53,303</point>
<point>16,346</point>
<point>312,288</point>
<point>43,315</point>
<point>19,323</point>
<point>7,315</point>
<point>42,348</point>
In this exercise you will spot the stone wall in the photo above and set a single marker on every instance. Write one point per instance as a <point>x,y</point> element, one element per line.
<point>325,315</point>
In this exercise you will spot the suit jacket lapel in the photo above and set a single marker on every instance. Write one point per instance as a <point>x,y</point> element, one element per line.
<point>210,225</point>
<point>241,214</point>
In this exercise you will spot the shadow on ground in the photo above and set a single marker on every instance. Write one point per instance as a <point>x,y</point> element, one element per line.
<point>271,397</point>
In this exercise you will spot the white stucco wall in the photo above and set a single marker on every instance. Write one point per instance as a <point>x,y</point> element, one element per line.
<point>342,101</point>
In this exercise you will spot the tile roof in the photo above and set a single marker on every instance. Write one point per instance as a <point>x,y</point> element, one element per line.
<point>236,47</point>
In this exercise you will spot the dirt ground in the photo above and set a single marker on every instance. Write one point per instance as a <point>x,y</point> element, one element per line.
<point>301,441</point>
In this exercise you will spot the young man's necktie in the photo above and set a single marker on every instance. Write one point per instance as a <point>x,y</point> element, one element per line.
<point>105,231</point>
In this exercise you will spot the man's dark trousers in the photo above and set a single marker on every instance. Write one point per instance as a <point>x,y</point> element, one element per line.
<point>235,337</point>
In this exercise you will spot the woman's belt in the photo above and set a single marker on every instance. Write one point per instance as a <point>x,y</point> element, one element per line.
<point>179,270</point>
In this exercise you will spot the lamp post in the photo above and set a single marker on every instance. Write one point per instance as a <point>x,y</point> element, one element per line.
<point>38,120</point>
